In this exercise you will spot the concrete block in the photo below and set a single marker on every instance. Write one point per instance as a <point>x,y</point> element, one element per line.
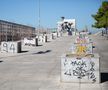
<point>45,38</point>
<point>80,70</point>
<point>31,41</point>
<point>11,47</point>
<point>55,35</point>
<point>82,40</point>
<point>83,48</point>
<point>73,33</point>
<point>77,33</point>
<point>50,37</point>
<point>59,34</point>
<point>84,33</point>
<point>42,38</point>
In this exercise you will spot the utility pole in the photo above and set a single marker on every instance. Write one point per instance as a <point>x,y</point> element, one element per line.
<point>39,18</point>
<point>86,28</point>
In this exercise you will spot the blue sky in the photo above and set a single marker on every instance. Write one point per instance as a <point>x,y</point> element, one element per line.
<point>26,11</point>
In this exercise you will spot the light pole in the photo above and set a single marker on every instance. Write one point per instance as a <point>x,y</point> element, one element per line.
<point>39,18</point>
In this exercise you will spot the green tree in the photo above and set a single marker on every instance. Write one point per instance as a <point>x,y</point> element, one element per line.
<point>101,17</point>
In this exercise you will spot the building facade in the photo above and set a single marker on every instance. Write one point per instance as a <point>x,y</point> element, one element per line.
<point>12,31</point>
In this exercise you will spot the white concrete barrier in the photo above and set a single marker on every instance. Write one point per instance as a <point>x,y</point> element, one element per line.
<point>42,38</point>
<point>50,37</point>
<point>81,48</point>
<point>11,47</point>
<point>59,34</point>
<point>82,40</point>
<point>77,33</point>
<point>84,33</point>
<point>31,41</point>
<point>84,69</point>
<point>55,35</point>
<point>73,33</point>
<point>45,38</point>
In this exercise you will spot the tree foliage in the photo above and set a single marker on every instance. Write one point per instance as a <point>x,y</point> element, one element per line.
<point>101,17</point>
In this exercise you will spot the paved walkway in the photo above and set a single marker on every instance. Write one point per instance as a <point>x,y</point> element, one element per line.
<point>102,48</point>
<point>38,68</point>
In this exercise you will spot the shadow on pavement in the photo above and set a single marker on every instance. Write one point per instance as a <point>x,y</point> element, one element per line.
<point>24,51</point>
<point>48,41</point>
<point>104,77</point>
<point>1,61</point>
<point>42,52</point>
<point>39,45</point>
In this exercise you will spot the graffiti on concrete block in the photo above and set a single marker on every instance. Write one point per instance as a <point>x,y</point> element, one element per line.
<point>82,48</point>
<point>80,69</point>
<point>6,47</point>
<point>13,47</point>
<point>82,40</point>
<point>67,25</point>
<point>30,41</point>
